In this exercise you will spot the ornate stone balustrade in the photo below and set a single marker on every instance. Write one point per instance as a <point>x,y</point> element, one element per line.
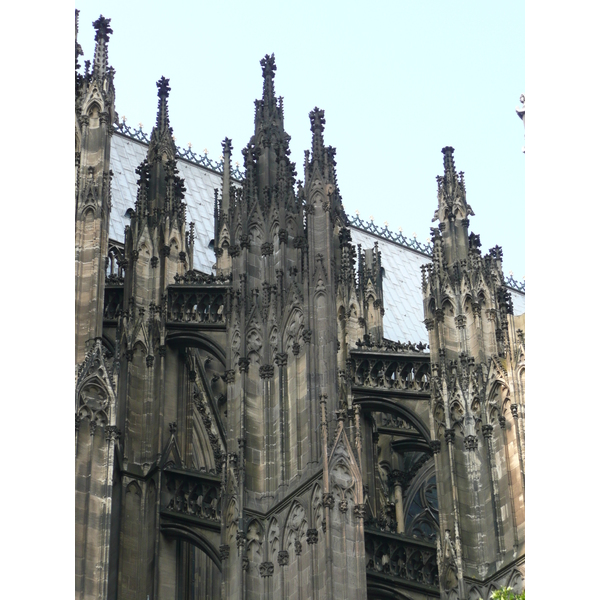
<point>384,372</point>
<point>397,557</point>
<point>197,304</point>
<point>192,494</point>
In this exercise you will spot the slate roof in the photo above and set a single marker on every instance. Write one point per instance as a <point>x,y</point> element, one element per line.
<point>125,156</point>
<point>403,319</point>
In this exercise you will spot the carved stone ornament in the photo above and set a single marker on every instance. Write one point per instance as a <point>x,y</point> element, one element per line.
<point>240,539</point>
<point>343,506</point>
<point>233,250</point>
<point>182,257</point>
<point>306,335</point>
<point>244,364</point>
<point>471,442</point>
<point>449,436</point>
<point>154,262</point>
<point>229,376</point>
<point>283,236</point>
<point>266,569</point>
<point>162,350</point>
<point>487,431</point>
<point>149,360</point>
<point>514,409</point>
<point>360,511</point>
<point>281,359</point>
<point>283,558</point>
<point>460,321</point>
<point>436,446</point>
<point>328,500</point>
<point>312,536</point>
<point>298,547</point>
<point>224,551</point>
<point>429,324</point>
<point>245,241</point>
<point>173,428</point>
<point>266,249</point>
<point>111,433</point>
<point>295,348</point>
<point>502,422</point>
<point>266,371</point>
<point>395,477</point>
<point>245,563</point>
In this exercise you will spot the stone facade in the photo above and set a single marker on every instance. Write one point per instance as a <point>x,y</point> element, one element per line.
<point>251,432</point>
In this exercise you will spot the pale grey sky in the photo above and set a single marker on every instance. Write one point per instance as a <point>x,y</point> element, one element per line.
<point>397,80</point>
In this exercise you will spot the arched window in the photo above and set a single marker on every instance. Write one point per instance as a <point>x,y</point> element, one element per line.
<point>422,511</point>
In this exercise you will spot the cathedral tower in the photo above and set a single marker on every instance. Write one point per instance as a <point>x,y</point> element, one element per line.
<point>95,397</point>
<point>477,402</point>
<point>94,115</point>
<point>283,251</point>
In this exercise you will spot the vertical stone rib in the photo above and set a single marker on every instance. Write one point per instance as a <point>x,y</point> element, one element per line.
<point>499,530</point>
<point>327,505</point>
<point>510,487</point>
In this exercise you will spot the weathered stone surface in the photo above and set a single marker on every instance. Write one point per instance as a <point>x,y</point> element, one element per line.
<point>251,433</point>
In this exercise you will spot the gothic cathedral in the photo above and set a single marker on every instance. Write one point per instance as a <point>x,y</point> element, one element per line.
<point>251,422</point>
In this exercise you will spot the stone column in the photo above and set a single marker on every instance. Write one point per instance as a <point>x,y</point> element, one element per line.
<point>396,481</point>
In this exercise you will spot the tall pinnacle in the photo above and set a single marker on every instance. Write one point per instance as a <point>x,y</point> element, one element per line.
<point>78,49</point>
<point>317,125</point>
<point>449,169</point>
<point>268,68</point>
<point>162,116</point>
<point>103,30</point>
<point>161,138</point>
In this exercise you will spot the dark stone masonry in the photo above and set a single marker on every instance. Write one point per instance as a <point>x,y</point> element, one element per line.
<point>249,431</point>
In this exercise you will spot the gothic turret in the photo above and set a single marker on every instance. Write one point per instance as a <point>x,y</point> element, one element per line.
<point>97,372</point>
<point>282,359</point>
<point>370,285</point>
<point>475,362</point>
<point>94,115</point>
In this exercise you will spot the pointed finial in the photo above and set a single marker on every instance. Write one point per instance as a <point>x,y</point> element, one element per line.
<point>268,69</point>
<point>317,125</point>
<point>449,169</point>
<point>103,30</point>
<point>78,49</point>
<point>162,118</point>
<point>227,145</point>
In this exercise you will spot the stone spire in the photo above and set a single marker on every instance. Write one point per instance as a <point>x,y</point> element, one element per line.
<point>453,210</point>
<point>78,49</point>
<point>268,69</point>
<point>103,30</point>
<point>162,117</point>
<point>468,317</point>
<point>161,139</point>
<point>319,166</point>
<point>268,111</point>
<point>317,125</point>
<point>94,115</point>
